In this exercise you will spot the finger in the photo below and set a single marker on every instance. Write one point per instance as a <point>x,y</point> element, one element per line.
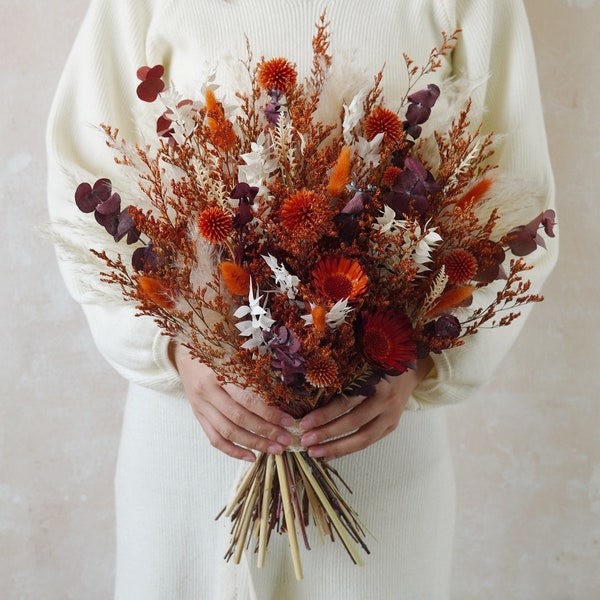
<point>346,423</point>
<point>359,440</point>
<point>220,443</point>
<point>340,405</point>
<point>229,430</point>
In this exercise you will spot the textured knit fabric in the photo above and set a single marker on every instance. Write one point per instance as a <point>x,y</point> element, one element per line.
<point>170,482</point>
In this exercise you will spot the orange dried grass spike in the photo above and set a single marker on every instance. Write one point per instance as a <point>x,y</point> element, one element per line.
<point>156,291</point>
<point>319,314</point>
<point>235,278</point>
<point>475,194</point>
<point>340,175</point>
<point>451,299</point>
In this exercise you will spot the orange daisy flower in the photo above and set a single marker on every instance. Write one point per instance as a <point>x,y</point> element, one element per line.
<point>337,278</point>
<point>387,341</point>
<point>383,120</point>
<point>235,278</point>
<point>277,74</point>
<point>215,224</point>
<point>461,266</point>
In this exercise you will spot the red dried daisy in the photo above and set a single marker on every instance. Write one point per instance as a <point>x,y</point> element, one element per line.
<point>277,74</point>
<point>321,370</point>
<point>338,277</point>
<point>305,214</point>
<point>383,120</point>
<point>215,224</point>
<point>461,266</point>
<point>387,341</point>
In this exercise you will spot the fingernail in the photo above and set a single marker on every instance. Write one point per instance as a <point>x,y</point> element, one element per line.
<point>306,424</point>
<point>274,449</point>
<point>287,421</point>
<point>285,439</point>
<point>309,439</point>
<point>316,452</point>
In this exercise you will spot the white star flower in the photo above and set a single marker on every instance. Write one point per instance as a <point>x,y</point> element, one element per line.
<point>260,163</point>
<point>335,316</point>
<point>260,320</point>
<point>369,150</point>
<point>288,283</point>
<point>353,113</point>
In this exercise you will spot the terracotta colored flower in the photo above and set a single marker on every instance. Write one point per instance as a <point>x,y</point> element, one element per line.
<point>305,214</point>
<point>461,266</point>
<point>156,291</point>
<point>390,174</point>
<point>321,370</point>
<point>235,278</point>
<point>277,74</point>
<point>215,224</point>
<point>383,120</point>
<point>337,278</point>
<point>340,176</point>
<point>387,341</point>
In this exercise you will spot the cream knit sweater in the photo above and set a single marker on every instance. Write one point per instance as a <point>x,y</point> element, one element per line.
<point>170,482</point>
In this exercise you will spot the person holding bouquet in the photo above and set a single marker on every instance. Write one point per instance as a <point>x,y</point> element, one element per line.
<point>183,431</point>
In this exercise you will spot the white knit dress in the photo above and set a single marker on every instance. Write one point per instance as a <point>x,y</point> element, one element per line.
<point>170,482</point>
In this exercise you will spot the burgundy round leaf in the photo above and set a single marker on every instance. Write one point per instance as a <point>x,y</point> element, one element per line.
<point>521,242</point>
<point>87,197</point>
<point>149,89</point>
<point>110,206</point>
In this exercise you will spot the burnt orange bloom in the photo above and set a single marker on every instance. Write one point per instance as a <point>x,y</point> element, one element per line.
<point>451,299</point>
<point>235,278</point>
<point>319,315</point>
<point>387,341</point>
<point>156,291</point>
<point>338,277</point>
<point>461,266</point>
<point>321,370</point>
<point>383,120</point>
<point>476,193</point>
<point>340,176</point>
<point>306,214</point>
<point>277,74</point>
<point>215,224</point>
<point>222,129</point>
<point>390,174</point>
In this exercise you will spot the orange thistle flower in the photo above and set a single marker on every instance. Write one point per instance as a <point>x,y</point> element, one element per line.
<point>156,291</point>
<point>387,341</point>
<point>340,176</point>
<point>306,214</point>
<point>461,266</point>
<point>221,128</point>
<point>321,370</point>
<point>383,120</point>
<point>390,175</point>
<point>337,278</point>
<point>235,278</point>
<point>451,299</point>
<point>215,224</point>
<point>277,74</point>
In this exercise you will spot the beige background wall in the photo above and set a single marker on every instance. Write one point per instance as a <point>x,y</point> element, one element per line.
<point>527,450</point>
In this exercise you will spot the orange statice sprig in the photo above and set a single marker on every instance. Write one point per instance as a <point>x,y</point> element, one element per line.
<point>302,258</point>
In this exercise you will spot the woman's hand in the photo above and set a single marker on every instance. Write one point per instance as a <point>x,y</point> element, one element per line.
<point>235,421</point>
<point>348,424</point>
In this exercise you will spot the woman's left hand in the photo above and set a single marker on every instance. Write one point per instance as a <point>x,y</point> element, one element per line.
<point>350,423</point>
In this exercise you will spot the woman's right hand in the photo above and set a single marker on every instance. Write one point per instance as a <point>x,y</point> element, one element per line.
<point>235,420</point>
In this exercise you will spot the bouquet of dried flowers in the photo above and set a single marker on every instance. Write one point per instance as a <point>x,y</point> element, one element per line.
<point>302,259</point>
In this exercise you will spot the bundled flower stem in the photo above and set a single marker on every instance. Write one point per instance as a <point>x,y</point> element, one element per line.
<point>302,260</point>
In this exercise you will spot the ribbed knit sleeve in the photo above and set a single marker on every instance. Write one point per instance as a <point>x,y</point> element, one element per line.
<point>495,50</point>
<point>98,86</point>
